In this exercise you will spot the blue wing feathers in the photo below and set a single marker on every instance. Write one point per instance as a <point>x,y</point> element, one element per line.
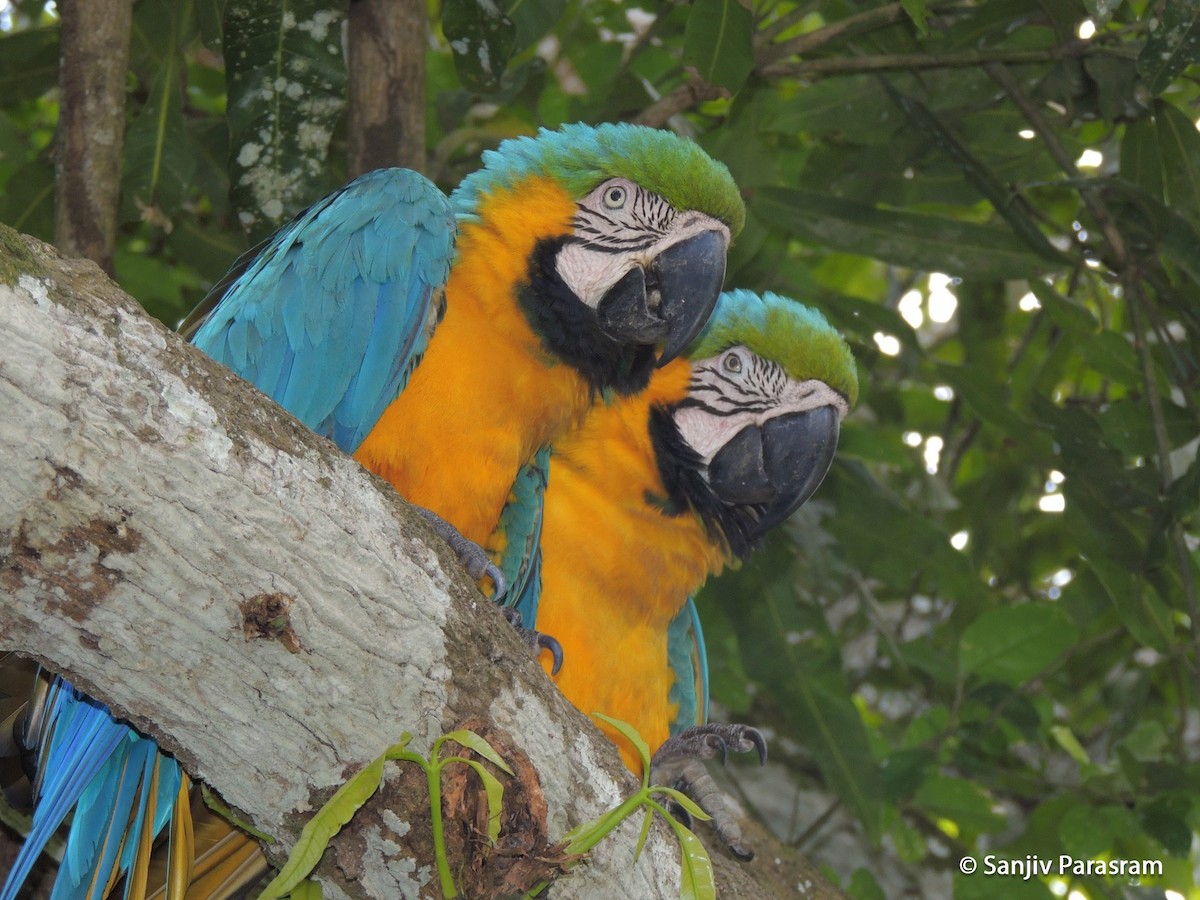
<point>340,301</point>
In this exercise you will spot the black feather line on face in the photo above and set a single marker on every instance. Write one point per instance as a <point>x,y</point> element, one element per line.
<point>569,331</point>
<point>681,470</point>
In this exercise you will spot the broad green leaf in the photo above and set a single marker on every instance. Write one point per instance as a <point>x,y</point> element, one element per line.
<point>1066,312</point>
<point>1173,45</point>
<point>987,399</point>
<point>286,82</point>
<point>1179,148</point>
<point>1012,644</point>
<point>1089,832</point>
<point>918,241</point>
<point>984,180</point>
<point>960,801</point>
<point>532,19</point>
<point>482,39</point>
<point>919,13</point>
<point>718,42</point>
<point>159,155</point>
<point>28,64</point>
<point>470,739</point>
<point>324,825</point>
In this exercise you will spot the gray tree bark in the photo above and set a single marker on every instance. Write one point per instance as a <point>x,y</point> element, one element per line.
<point>91,126</point>
<point>385,69</point>
<point>153,505</point>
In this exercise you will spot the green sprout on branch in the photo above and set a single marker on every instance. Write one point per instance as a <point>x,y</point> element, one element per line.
<point>350,797</point>
<point>696,882</point>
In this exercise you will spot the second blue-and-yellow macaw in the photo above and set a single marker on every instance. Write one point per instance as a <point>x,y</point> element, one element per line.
<point>443,342</point>
<point>655,492</point>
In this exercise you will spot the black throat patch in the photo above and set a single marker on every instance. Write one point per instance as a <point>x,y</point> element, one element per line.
<point>569,331</point>
<point>680,468</point>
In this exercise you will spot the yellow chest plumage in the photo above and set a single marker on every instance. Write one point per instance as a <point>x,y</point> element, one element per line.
<point>616,569</point>
<point>486,395</point>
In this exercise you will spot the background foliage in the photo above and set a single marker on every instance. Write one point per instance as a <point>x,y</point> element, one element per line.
<point>982,636</point>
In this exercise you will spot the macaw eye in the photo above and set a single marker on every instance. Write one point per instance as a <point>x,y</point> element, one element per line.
<point>614,197</point>
<point>733,363</point>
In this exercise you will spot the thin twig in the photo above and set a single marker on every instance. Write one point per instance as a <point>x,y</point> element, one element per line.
<point>854,65</point>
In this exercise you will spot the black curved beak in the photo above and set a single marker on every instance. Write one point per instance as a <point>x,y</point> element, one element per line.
<point>670,301</point>
<point>778,465</point>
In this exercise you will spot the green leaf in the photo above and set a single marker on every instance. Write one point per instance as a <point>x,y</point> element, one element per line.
<point>494,792</point>
<point>306,890</point>
<point>159,154</point>
<point>985,181</point>
<point>1066,313</point>
<point>1173,45</point>
<point>1067,740</point>
<point>918,241</point>
<point>630,734</point>
<point>697,881</point>
<point>643,834</point>
<point>1179,148</point>
<point>692,807</point>
<point>1100,11</point>
<point>987,400</point>
<point>919,13</point>
<point>533,18</point>
<point>960,801</point>
<point>482,39</point>
<point>325,824</point>
<point>286,82</point>
<point>470,739</point>
<point>28,64</point>
<point>1012,644</point>
<point>718,42</point>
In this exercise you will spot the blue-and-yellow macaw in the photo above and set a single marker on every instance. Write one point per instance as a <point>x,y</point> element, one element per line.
<point>443,342</point>
<point>655,492</point>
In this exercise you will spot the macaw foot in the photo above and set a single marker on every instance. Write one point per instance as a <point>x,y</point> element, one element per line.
<point>536,641</point>
<point>678,763</point>
<point>473,557</point>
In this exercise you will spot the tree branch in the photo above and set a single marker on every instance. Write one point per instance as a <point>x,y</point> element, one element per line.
<point>386,73</point>
<point>152,500</point>
<point>91,126</point>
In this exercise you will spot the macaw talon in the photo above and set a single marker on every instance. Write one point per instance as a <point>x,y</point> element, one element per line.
<point>536,641</point>
<point>678,763</point>
<point>473,557</point>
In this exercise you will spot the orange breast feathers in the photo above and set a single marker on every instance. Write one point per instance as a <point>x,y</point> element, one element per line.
<point>615,568</point>
<point>486,395</point>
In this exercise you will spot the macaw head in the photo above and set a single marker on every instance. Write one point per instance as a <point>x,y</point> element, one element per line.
<point>632,272</point>
<point>770,383</point>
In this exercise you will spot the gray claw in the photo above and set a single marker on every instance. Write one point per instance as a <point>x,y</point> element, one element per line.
<point>677,762</point>
<point>536,641</point>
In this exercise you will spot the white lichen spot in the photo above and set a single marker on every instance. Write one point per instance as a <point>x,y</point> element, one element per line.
<point>318,25</point>
<point>311,137</point>
<point>289,21</point>
<point>273,208</point>
<point>399,827</point>
<point>249,155</point>
<point>294,90</point>
<point>279,85</point>
<point>37,288</point>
